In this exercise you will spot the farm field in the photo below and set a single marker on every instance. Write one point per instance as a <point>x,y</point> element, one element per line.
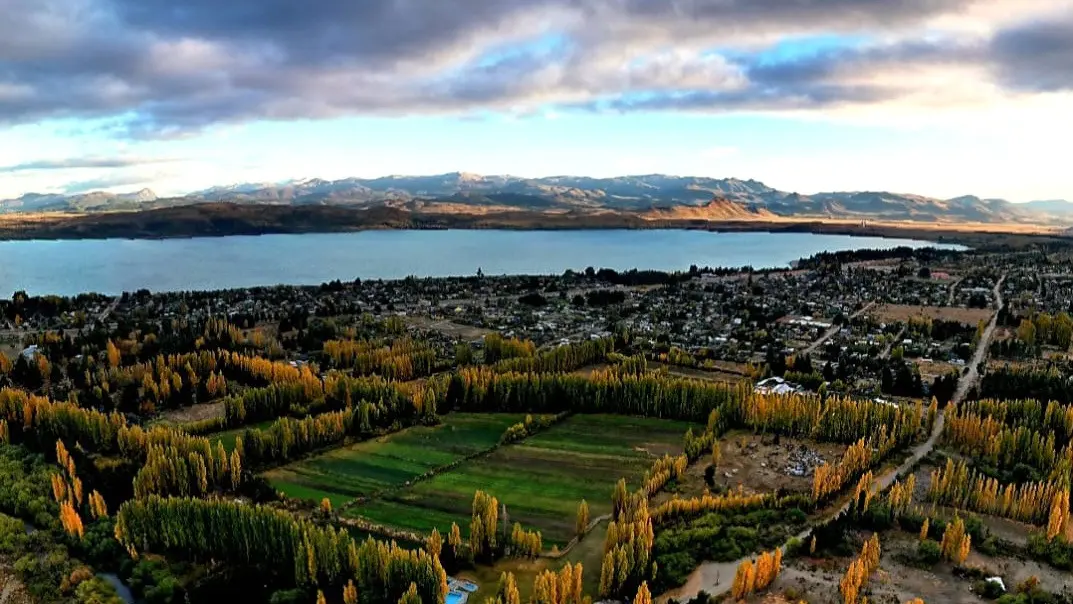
<point>540,480</point>
<point>391,460</point>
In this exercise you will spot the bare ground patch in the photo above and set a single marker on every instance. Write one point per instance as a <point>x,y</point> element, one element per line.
<point>588,370</point>
<point>903,312</point>
<point>698,374</point>
<point>449,328</point>
<point>759,464</point>
<point>194,413</point>
<point>895,582</point>
<point>934,369</point>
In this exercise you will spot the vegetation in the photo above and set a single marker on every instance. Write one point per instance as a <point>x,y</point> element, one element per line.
<point>580,458</point>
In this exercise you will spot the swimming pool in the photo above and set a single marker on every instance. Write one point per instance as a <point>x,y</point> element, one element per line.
<point>454,597</point>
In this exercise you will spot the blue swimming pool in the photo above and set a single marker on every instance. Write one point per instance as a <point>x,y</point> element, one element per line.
<point>453,597</point>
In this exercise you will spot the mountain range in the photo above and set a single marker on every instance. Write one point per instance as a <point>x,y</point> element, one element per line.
<point>653,195</point>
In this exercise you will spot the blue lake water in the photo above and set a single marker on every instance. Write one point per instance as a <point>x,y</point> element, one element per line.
<point>112,266</point>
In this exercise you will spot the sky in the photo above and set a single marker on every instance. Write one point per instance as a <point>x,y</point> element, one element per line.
<point>934,97</point>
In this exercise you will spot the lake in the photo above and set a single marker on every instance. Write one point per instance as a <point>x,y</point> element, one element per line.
<point>112,266</point>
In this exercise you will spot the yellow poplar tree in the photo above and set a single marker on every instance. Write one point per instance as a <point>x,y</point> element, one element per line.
<point>350,593</point>
<point>582,518</point>
<point>643,595</point>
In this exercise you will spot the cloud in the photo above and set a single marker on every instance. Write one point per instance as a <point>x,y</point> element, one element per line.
<point>1036,55</point>
<point>104,182</point>
<point>169,68</point>
<point>74,163</point>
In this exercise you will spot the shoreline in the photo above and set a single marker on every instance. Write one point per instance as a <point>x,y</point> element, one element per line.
<point>225,220</point>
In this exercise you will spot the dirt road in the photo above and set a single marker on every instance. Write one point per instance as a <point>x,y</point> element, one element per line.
<point>717,577</point>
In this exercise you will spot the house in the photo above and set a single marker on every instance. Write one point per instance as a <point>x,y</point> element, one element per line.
<point>776,385</point>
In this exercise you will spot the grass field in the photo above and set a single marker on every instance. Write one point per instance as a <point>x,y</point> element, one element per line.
<point>228,437</point>
<point>364,468</point>
<point>540,480</point>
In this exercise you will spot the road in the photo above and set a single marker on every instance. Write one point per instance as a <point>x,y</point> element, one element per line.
<point>835,329</point>
<point>716,578</point>
<point>107,312</point>
<point>953,291</point>
<point>890,346</point>
<point>972,375</point>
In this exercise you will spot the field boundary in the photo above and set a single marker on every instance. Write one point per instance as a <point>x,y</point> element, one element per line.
<point>434,472</point>
<point>577,538</point>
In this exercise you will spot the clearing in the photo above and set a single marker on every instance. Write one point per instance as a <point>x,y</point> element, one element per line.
<point>228,437</point>
<point>193,413</point>
<point>541,480</point>
<point>697,373</point>
<point>449,328</point>
<point>902,312</point>
<point>589,552</point>
<point>757,463</point>
<point>392,460</point>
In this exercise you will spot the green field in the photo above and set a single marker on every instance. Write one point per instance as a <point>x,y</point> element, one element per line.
<point>228,437</point>
<point>367,467</point>
<point>540,480</point>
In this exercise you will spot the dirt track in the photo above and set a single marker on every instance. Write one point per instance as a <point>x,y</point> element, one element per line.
<point>716,578</point>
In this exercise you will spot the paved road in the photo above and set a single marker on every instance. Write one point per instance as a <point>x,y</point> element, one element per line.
<point>717,578</point>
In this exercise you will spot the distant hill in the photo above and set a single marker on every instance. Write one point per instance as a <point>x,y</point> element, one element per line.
<point>1054,207</point>
<point>651,194</point>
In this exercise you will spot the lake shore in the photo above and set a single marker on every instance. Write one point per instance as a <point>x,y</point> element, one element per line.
<point>224,219</point>
<point>115,265</point>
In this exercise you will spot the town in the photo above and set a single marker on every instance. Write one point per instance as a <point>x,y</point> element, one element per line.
<point>884,424</point>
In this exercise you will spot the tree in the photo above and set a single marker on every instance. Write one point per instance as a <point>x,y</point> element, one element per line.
<point>507,592</point>
<point>320,597</point>
<point>114,356</point>
<point>350,593</point>
<point>643,595</point>
<point>582,518</point>
<point>454,539</point>
<point>1059,515</point>
<point>434,543</point>
<point>411,596</point>
<point>956,542</point>
<point>483,527</point>
<point>295,549</point>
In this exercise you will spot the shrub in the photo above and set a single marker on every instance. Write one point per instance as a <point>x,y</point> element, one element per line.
<point>988,589</point>
<point>929,553</point>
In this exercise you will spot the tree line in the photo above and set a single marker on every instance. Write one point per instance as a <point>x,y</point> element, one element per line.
<point>403,360</point>
<point>1005,447</point>
<point>1046,384</point>
<point>958,486</point>
<point>561,358</point>
<point>293,551</point>
<point>482,389</point>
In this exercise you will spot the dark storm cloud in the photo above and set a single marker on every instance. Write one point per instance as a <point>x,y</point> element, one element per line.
<point>1036,56</point>
<point>168,68</point>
